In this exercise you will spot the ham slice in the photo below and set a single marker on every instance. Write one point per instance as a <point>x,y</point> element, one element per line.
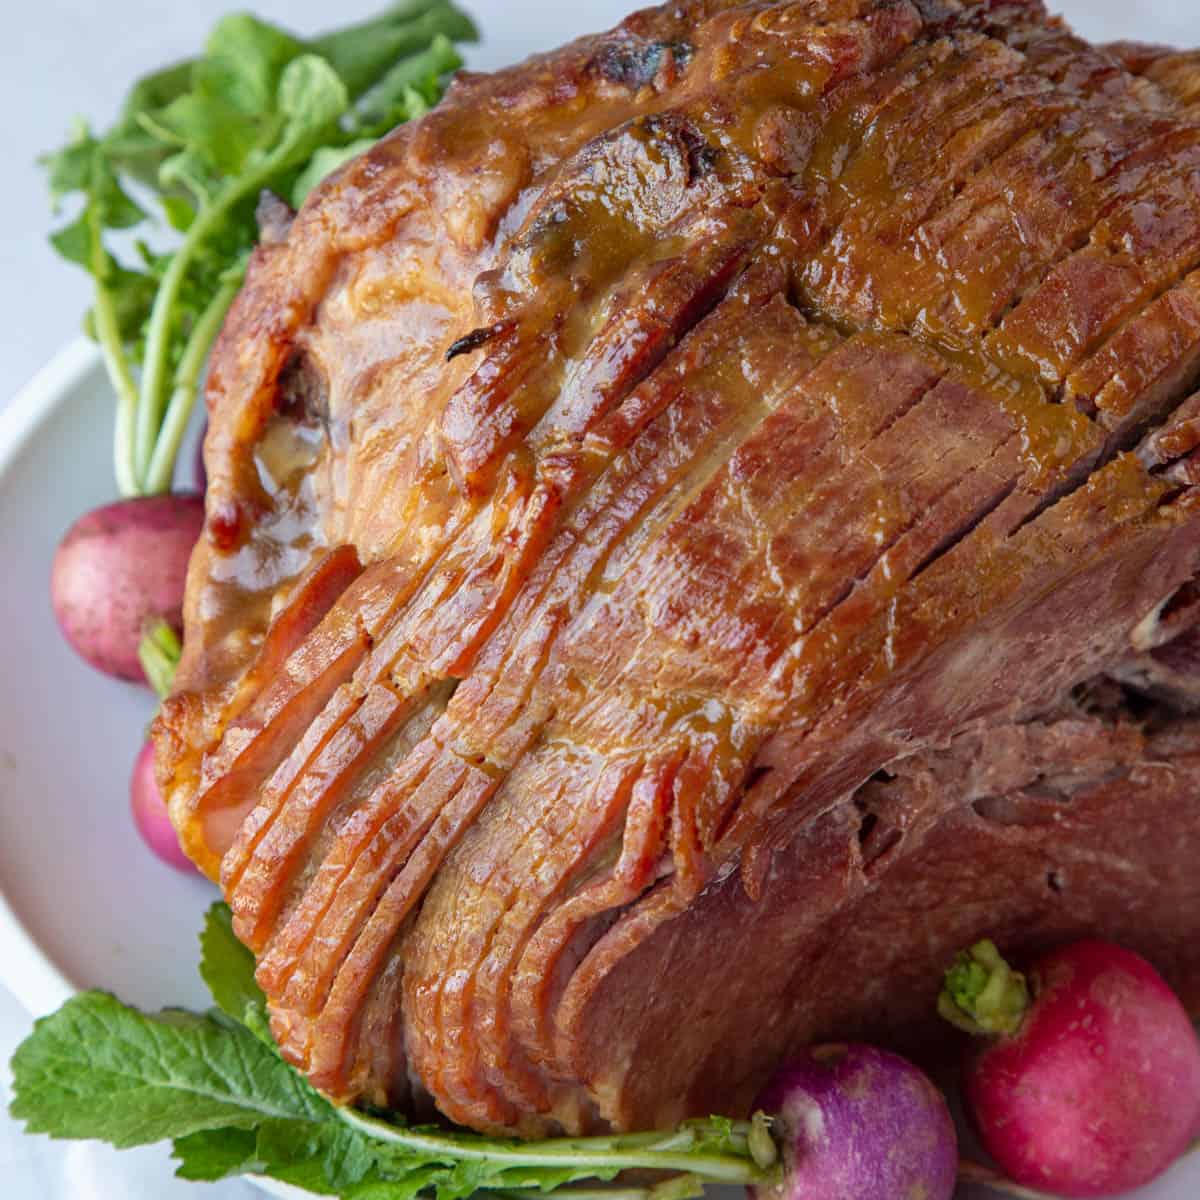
<point>702,526</point>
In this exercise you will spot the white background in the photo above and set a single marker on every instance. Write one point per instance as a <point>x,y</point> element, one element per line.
<point>63,58</point>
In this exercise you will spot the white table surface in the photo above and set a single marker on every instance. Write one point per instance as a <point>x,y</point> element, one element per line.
<point>68,57</point>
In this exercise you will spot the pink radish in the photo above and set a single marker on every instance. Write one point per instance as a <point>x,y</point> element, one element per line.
<point>1091,1087</point>
<point>120,568</point>
<point>150,813</point>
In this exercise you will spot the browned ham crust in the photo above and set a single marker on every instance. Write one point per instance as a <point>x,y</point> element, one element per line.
<point>700,527</point>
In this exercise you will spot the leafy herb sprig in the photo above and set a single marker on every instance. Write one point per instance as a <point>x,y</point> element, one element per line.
<point>166,198</point>
<point>216,1086</point>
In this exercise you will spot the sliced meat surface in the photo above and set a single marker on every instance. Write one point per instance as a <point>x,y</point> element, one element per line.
<point>1035,833</point>
<point>723,492</point>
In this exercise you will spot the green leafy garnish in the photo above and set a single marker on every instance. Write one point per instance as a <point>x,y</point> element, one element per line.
<point>227,968</point>
<point>96,1069</point>
<point>183,167</point>
<point>216,1086</point>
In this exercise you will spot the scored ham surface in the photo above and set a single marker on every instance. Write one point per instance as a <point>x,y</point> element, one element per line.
<point>701,527</point>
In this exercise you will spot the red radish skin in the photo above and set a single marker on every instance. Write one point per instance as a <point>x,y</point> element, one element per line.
<point>150,814</point>
<point>857,1123</point>
<point>1098,1091</point>
<point>119,567</point>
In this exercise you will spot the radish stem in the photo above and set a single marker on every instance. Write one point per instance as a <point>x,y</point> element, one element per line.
<point>211,219</point>
<point>983,994</point>
<point>183,392</point>
<point>602,1154</point>
<point>108,334</point>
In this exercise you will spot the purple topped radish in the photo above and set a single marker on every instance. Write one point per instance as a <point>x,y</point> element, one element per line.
<point>1091,1085</point>
<point>856,1123</point>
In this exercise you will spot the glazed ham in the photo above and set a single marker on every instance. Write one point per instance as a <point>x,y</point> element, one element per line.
<point>701,527</point>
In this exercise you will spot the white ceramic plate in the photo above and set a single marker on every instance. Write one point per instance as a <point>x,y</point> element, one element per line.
<point>86,904</point>
<point>82,903</point>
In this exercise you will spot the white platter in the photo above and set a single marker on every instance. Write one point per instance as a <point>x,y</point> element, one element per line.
<point>85,903</point>
<point>82,904</point>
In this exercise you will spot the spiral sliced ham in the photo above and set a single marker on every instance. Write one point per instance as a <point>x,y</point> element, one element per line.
<point>702,526</point>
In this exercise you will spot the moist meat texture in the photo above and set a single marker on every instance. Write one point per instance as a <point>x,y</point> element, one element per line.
<point>701,527</point>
